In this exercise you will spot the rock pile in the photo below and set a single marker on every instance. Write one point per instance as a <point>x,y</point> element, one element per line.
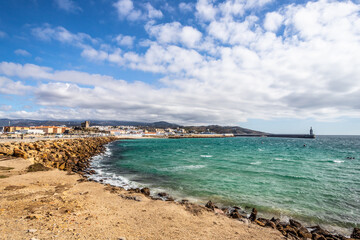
<point>64,154</point>
<point>291,230</point>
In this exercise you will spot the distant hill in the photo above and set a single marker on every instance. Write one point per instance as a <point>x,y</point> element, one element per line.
<point>222,129</point>
<point>161,124</point>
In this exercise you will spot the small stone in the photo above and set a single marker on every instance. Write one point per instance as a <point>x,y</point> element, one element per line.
<point>145,191</point>
<point>32,230</point>
<point>122,238</point>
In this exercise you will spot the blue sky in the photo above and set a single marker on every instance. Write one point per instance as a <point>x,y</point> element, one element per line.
<point>275,66</point>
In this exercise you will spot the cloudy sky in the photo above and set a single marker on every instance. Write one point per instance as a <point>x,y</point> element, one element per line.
<point>276,66</point>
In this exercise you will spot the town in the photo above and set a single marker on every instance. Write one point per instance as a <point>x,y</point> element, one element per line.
<point>86,130</point>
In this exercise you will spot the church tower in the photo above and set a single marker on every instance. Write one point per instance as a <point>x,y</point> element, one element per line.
<point>311,131</point>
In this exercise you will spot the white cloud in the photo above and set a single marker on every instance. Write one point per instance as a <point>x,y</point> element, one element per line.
<point>127,10</point>
<point>186,7</point>
<point>67,5</point>
<point>152,12</point>
<point>175,33</point>
<point>22,52</point>
<point>273,21</point>
<point>8,86</point>
<point>124,40</point>
<point>205,10</point>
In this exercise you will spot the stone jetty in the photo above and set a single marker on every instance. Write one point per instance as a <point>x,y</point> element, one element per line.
<point>64,154</point>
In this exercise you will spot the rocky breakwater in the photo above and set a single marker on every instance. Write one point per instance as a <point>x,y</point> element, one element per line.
<point>64,154</point>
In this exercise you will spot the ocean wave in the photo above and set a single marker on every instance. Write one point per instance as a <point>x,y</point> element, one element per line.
<point>260,150</point>
<point>338,161</point>
<point>206,156</point>
<point>182,168</point>
<point>255,163</point>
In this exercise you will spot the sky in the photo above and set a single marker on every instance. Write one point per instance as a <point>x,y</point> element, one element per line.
<point>274,66</point>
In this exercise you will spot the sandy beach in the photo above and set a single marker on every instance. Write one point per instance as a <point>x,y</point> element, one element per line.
<point>57,204</point>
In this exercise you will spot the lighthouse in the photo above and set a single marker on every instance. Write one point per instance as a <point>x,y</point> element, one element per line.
<point>311,131</point>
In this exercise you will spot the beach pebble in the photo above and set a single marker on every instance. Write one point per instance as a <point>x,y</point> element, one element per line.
<point>122,238</point>
<point>32,230</point>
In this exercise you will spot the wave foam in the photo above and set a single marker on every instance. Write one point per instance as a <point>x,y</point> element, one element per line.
<point>206,156</point>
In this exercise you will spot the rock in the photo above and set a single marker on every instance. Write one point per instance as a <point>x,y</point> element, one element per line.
<point>235,214</point>
<point>184,201</point>
<point>210,205</point>
<point>271,224</point>
<point>162,194</point>
<point>145,191</point>
<point>32,230</point>
<point>20,153</point>
<point>316,236</point>
<point>121,238</point>
<point>356,233</point>
<point>304,233</point>
<point>290,230</point>
<point>253,215</point>
<point>259,223</point>
<point>295,223</point>
<point>276,221</point>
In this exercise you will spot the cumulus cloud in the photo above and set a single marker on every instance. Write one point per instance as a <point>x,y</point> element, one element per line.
<point>273,21</point>
<point>22,52</point>
<point>127,10</point>
<point>67,5</point>
<point>175,33</point>
<point>124,40</point>
<point>8,86</point>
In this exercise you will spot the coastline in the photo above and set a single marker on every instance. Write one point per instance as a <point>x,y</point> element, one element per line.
<point>260,225</point>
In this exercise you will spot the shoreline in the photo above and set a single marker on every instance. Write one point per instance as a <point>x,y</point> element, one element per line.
<point>293,229</point>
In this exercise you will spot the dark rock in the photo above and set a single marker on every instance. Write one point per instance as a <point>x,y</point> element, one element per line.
<point>304,233</point>
<point>356,233</point>
<point>290,230</point>
<point>184,201</point>
<point>316,236</point>
<point>271,224</point>
<point>145,191</point>
<point>162,194</point>
<point>275,220</point>
<point>36,167</point>
<point>295,223</point>
<point>253,215</point>
<point>210,205</point>
<point>235,214</point>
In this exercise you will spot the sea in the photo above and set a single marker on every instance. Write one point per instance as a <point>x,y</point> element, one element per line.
<point>315,181</point>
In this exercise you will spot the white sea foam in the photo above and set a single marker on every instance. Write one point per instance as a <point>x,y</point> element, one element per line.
<point>338,161</point>
<point>206,156</point>
<point>260,150</point>
<point>182,168</point>
<point>255,163</point>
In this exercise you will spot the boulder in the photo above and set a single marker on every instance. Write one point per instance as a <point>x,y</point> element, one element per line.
<point>356,233</point>
<point>253,215</point>
<point>271,224</point>
<point>145,191</point>
<point>295,224</point>
<point>304,233</point>
<point>275,220</point>
<point>210,205</point>
<point>235,214</point>
<point>20,153</point>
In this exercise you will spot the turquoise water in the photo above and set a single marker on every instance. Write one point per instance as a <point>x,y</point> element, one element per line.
<point>281,177</point>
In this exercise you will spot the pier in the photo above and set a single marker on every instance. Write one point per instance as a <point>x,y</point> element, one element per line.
<point>311,135</point>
